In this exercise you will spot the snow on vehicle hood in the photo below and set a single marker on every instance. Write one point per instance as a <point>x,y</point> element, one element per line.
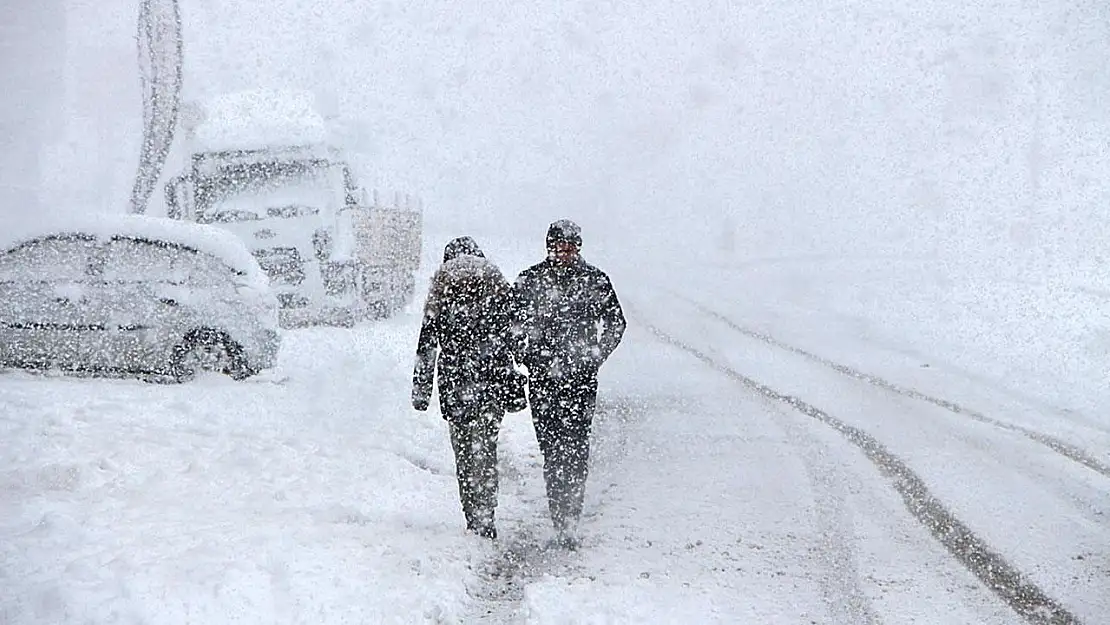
<point>208,239</point>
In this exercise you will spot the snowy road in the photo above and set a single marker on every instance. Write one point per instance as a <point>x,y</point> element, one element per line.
<point>718,507</point>
<point>746,469</point>
<point>1044,508</point>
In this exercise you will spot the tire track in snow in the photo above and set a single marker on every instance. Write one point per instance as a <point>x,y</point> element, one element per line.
<point>837,557</point>
<point>1057,445</point>
<point>1024,597</point>
<point>844,597</point>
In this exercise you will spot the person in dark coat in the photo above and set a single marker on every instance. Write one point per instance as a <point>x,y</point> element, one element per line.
<point>567,320</point>
<point>464,337</point>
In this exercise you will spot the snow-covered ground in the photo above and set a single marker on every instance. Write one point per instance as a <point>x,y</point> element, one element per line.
<point>862,251</point>
<point>314,494</point>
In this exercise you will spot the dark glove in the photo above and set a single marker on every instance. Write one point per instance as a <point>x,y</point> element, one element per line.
<point>420,400</point>
<point>514,395</point>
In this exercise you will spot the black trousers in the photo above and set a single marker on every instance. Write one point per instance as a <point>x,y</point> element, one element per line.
<point>474,441</point>
<point>563,413</point>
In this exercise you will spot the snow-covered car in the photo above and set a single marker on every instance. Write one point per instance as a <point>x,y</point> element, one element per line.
<point>134,294</point>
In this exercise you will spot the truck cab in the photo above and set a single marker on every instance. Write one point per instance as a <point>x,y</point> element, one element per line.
<point>331,254</point>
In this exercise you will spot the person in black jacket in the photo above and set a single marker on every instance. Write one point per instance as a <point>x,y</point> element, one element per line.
<point>466,319</point>
<point>566,322</point>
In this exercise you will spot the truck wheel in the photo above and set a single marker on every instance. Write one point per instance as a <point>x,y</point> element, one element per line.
<point>208,350</point>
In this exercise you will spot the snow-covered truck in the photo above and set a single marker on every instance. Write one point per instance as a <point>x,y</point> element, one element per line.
<point>261,165</point>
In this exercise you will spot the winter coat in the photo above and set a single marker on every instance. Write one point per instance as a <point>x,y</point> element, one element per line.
<point>464,336</point>
<point>566,319</point>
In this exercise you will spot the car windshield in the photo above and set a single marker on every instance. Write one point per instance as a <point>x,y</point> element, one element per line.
<point>269,190</point>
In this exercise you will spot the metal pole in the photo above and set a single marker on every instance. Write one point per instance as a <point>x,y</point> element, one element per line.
<point>160,46</point>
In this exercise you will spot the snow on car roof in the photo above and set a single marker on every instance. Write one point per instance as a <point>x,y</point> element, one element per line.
<point>208,239</point>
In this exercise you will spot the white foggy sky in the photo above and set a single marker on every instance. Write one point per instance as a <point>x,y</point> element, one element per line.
<point>816,126</point>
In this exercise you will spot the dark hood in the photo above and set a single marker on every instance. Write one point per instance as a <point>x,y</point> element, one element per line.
<point>462,246</point>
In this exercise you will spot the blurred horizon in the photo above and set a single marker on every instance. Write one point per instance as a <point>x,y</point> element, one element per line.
<point>966,133</point>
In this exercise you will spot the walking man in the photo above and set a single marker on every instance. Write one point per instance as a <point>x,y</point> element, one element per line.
<point>566,322</point>
<point>466,320</point>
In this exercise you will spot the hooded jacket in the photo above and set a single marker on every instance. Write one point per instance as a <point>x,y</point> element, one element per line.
<point>464,335</point>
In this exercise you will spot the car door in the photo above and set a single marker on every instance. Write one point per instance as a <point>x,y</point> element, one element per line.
<point>44,318</point>
<point>146,301</point>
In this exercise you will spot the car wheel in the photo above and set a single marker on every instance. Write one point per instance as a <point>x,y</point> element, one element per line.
<point>207,350</point>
